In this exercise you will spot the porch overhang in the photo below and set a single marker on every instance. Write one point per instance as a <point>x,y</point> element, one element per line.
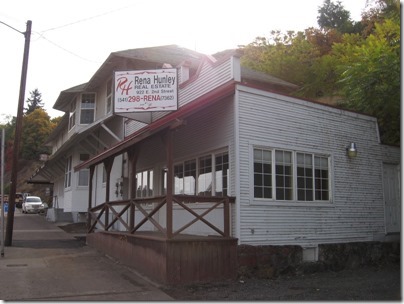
<point>55,166</point>
<point>169,121</point>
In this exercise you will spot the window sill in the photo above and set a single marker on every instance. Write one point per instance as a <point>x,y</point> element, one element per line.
<point>328,204</point>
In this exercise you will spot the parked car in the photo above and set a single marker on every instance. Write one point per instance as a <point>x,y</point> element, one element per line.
<point>33,204</point>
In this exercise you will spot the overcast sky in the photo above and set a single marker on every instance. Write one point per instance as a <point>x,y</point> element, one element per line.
<point>71,39</point>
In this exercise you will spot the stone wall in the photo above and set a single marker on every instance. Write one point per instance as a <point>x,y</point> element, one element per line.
<point>271,261</point>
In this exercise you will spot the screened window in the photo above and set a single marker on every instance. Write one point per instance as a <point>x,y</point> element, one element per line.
<point>87,108</point>
<point>206,176</point>
<point>190,177</point>
<point>221,174</point>
<point>144,181</point>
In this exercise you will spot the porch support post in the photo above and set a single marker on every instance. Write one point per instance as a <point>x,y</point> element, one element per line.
<point>170,176</point>
<point>226,217</point>
<point>132,155</point>
<point>108,167</point>
<point>90,197</point>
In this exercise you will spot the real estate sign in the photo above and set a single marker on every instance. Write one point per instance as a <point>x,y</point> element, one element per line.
<point>146,91</point>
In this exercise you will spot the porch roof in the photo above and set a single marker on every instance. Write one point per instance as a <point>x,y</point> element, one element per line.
<point>169,121</point>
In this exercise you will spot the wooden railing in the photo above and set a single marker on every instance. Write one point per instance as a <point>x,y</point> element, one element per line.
<point>104,216</point>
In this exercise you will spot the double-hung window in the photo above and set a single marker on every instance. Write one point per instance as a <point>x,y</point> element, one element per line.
<point>84,174</point>
<point>87,110</point>
<point>68,172</point>
<point>290,175</point>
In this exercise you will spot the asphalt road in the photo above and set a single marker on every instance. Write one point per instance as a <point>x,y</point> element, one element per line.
<point>45,263</point>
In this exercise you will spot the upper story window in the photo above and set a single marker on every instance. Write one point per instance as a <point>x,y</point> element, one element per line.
<point>87,110</point>
<point>289,175</point>
<point>109,97</point>
<point>72,117</point>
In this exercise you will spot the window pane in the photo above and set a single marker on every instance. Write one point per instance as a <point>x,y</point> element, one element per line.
<point>262,173</point>
<point>189,177</point>
<point>179,179</point>
<point>221,174</point>
<point>284,175</point>
<point>84,177</point>
<point>321,178</point>
<point>304,176</point>
<point>87,108</point>
<point>205,176</point>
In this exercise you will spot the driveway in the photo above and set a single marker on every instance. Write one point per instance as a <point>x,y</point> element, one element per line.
<point>45,263</point>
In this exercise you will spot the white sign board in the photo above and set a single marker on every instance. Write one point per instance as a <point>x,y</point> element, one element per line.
<point>146,91</point>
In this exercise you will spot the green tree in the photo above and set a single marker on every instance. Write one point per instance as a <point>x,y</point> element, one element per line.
<point>335,16</point>
<point>34,102</point>
<point>36,129</point>
<point>370,78</point>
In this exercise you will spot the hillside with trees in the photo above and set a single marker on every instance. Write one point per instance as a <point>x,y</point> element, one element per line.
<point>353,65</point>
<point>37,126</point>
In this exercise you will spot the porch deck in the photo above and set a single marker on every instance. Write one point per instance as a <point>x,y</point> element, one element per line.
<point>181,260</point>
<point>167,257</point>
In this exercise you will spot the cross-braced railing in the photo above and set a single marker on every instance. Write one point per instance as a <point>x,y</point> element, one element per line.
<point>104,216</point>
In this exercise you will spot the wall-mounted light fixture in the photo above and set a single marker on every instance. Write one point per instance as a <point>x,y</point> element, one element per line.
<point>352,151</point>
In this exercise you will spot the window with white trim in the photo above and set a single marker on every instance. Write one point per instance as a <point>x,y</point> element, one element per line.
<point>87,110</point>
<point>72,115</point>
<point>205,176</point>
<point>109,97</point>
<point>84,174</point>
<point>290,175</point>
<point>68,172</point>
<point>144,180</point>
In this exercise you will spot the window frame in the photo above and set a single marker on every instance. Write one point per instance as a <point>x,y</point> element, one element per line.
<point>68,172</point>
<point>109,96</point>
<point>86,171</point>
<point>294,200</point>
<point>92,109</point>
<point>225,189</point>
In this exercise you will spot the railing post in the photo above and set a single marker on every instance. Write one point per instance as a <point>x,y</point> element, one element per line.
<point>131,216</point>
<point>170,175</point>
<point>106,206</point>
<point>226,217</point>
<point>90,197</point>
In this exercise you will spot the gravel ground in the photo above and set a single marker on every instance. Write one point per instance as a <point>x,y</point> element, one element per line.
<point>370,283</point>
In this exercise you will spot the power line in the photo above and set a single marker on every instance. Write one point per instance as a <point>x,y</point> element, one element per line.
<point>64,49</point>
<point>85,19</point>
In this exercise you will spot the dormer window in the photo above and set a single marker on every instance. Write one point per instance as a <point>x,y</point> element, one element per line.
<point>87,110</point>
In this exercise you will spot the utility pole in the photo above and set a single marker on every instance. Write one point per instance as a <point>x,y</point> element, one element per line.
<point>18,128</point>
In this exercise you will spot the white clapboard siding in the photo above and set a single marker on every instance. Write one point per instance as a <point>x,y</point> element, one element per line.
<point>356,211</point>
<point>211,76</point>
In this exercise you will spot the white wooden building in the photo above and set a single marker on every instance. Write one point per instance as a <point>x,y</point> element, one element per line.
<point>236,133</point>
